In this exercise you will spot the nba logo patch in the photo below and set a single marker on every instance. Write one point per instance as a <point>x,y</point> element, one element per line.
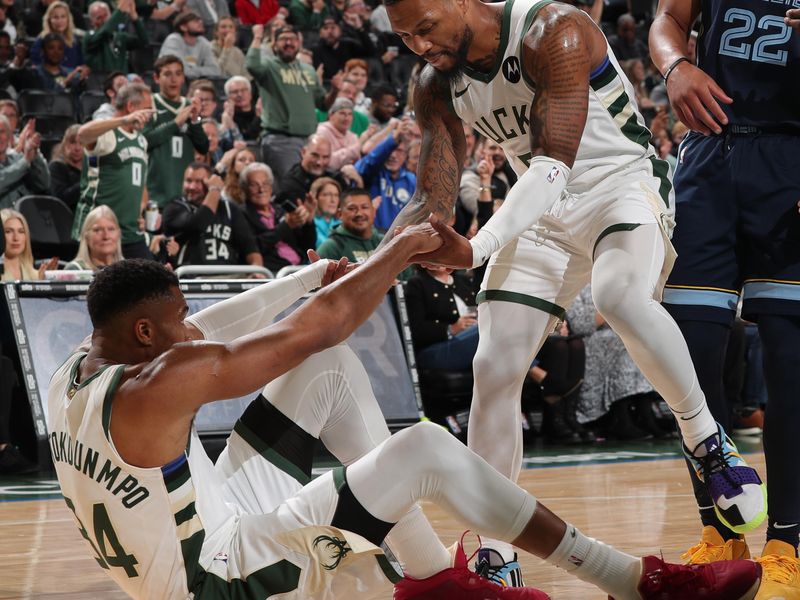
<point>554,172</point>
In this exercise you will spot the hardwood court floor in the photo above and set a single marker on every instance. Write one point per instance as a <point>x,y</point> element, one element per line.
<point>640,507</point>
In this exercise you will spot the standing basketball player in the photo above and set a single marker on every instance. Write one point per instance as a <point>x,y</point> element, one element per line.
<point>592,202</point>
<point>737,189</point>
<point>167,523</point>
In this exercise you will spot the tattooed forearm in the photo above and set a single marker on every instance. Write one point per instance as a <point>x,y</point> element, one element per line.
<point>441,156</point>
<point>558,59</point>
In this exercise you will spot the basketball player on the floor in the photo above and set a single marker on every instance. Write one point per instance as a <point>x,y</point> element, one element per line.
<point>737,189</point>
<point>592,202</point>
<point>167,523</point>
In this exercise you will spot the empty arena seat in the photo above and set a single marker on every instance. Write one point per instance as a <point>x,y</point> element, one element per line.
<point>51,127</point>
<point>90,102</point>
<point>95,80</point>
<point>39,102</point>
<point>446,397</point>
<point>50,223</point>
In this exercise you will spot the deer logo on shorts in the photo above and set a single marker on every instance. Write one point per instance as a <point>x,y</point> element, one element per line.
<point>337,548</point>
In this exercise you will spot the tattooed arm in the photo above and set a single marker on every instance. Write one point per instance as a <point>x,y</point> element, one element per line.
<point>441,154</point>
<point>559,52</point>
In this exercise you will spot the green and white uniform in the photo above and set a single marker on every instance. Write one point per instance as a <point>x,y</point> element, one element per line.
<point>246,528</point>
<point>617,181</point>
<point>114,173</point>
<point>172,149</point>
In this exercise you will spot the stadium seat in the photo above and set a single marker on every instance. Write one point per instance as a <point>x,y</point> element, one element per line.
<point>157,30</point>
<point>142,59</point>
<point>50,126</point>
<point>219,85</point>
<point>50,223</point>
<point>244,36</point>
<point>95,80</point>
<point>90,102</point>
<point>255,148</point>
<point>446,396</point>
<point>46,103</point>
<point>47,145</point>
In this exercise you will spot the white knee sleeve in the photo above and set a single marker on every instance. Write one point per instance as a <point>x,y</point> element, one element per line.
<point>424,462</point>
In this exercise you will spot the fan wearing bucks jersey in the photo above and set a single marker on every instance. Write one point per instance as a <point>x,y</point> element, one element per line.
<point>174,135</point>
<point>592,202</point>
<point>738,236</point>
<point>115,167</point>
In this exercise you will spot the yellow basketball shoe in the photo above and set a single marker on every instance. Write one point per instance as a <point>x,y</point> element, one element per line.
<point>713,548</point>
<point>780,579</point>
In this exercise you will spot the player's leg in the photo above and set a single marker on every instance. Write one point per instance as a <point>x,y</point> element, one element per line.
<point>328,398</point>
<point>627,268</point>
<point>780,336</point>
<point>525,291</point>
<point>625,274</point>
<point>701,295</point>
<point>771,296</point>
<point>381,485</point>
<point>510,335</point>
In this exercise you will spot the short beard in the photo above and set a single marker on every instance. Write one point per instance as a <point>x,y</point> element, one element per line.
<point>287,57</point>
<point>455,73</point>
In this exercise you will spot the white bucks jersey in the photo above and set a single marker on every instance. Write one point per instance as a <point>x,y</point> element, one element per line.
<point>497,104</point>
<point>146,527</point>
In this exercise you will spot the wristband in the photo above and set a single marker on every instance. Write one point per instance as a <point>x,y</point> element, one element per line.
<point>671,68</point>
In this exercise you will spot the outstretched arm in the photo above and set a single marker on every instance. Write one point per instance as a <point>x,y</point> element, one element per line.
<point>694,96</point>
<point>155,404</point>
<point>559,52</point>
<point>441,154</point>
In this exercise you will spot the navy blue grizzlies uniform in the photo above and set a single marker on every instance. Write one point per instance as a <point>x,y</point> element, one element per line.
<point>738,231</point>
<point>737,235</point>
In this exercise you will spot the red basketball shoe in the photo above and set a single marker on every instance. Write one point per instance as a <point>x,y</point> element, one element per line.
<point>725,580</point>
<point>459,583</point>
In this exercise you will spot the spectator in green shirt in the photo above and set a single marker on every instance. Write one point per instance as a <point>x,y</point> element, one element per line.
<point>290,91</point>
<point>107,44</point>
<point>307,15</point>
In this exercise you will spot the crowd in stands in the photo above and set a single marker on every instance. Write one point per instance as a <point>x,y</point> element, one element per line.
<point>261,129</point>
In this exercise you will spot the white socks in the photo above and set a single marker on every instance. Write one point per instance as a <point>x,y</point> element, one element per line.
<point>694,418</point>
<point>417,547</point>
<point>614,572</point>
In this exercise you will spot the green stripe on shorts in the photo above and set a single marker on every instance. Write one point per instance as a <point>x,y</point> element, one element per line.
<point>614,229</point>
<point>661,171</point>
<point>279,578</point>
<point>260,446</point>
<point>518,298</point>
<point>387,568</point>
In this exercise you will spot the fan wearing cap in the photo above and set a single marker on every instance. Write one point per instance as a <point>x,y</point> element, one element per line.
<point>290,91</point>
<point>188,44</point>
<point>345,145</point>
